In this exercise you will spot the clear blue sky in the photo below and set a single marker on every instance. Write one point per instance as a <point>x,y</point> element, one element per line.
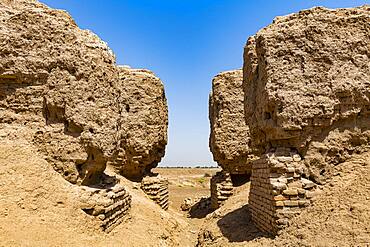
<point>185,43</point>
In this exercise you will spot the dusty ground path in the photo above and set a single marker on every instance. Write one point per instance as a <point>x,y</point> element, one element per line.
<point>188,183</point>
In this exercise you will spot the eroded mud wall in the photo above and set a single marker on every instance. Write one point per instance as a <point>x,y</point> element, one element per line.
<point>229,139</point>
<point>143,124</point>
<point>61,89</point>
<point>306,87</point>
<point>306,80</point>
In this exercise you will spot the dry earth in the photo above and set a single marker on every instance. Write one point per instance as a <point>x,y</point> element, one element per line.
<point>39,208</point>
<point>187,182</point>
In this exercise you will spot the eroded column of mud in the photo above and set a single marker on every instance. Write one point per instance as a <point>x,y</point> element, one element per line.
<point>307,106</point>
<point>143,131</point>
<point>143,128</point>
<point>229,137</point>
<point>63,92</point>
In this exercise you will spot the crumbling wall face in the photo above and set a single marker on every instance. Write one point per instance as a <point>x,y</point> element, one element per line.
<point>278,189</point>
<point>229,138</point>
<point>17,98</point>
<point>63,91</point>
<point>221,189</point>
<point>306,87</point>
<point>306,80</point>
<point>110,206</point>
<point>156,187</point>
<point>144,122</point>
<point>58,84</point>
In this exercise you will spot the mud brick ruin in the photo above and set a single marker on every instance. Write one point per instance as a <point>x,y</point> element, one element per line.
<point>144,123</point>
<point>298,108</point>
<point>110,206</point>
<point>306,108</point>
<point>278,189</point>
<point>80,109</point>
<point>229,138</point>
<point>300,97</point>
<point>221,189</point>
<point>156,187</point>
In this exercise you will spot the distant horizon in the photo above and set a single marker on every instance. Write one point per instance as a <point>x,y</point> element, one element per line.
<point>195,167</point>
<point>187,166</point>
<point>186,44</point>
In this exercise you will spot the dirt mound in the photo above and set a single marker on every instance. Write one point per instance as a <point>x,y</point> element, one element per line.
<point>340,216</point>
<point>31,215</point>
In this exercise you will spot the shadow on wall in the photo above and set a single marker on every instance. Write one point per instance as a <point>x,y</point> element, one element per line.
<point>237,226</point>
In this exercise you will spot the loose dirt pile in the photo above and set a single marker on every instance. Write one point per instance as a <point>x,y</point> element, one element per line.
<point>39,208</point>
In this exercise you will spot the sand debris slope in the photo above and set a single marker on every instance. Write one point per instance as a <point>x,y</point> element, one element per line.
<point>39,208</point>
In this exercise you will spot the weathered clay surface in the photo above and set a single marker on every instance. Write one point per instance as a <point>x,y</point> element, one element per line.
<point>229,139</point>
<point>306,84</point>
<point>61,85</point>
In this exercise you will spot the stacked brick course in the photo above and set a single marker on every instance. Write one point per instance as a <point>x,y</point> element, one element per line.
<point>221,189</point>
<point>156,187</point>
<point>108,205</point>
<point>278,189</point>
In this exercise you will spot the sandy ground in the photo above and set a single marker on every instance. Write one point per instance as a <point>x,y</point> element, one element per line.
<point>187,182</point>
<point>39,208</point>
